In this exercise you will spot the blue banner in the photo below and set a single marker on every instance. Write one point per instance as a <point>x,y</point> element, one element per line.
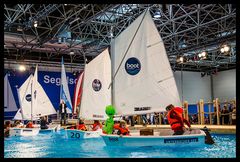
<point>50,81</point>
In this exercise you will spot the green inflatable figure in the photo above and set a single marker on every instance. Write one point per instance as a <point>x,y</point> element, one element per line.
<point>108,127</point>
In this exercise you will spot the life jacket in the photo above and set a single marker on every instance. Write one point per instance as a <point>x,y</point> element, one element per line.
<point>123,131</point>
<point>175,123</point>
<point>82,127</point>
<point>29,125</point>
<point>96,126</point>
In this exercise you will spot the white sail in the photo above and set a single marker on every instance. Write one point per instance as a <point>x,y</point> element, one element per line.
<point>96,94</point>
<point>144,81</point>
<point>64,91</point>
<point>33,100</point>
<point>24,93</point>
<point>9,101</point>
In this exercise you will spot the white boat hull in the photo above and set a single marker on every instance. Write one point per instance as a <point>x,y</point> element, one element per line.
<point>23,131</point>
<point>189,140</point>
<point>79,134</point>
<point>54,128</point>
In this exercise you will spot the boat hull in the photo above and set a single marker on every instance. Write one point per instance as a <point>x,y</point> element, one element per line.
<point>159,141</point>
<point>51,129</point>
<point>23,131</point>
<point>78,134</point>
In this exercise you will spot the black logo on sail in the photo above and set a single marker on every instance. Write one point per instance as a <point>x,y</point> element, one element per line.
<point>96,84</point>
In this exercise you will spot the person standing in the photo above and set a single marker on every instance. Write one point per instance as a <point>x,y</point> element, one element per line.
<point>176,120</point>
<point>63,112</point>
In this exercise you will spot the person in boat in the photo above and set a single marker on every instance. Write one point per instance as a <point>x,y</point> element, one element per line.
<point>7,127</point>
<point>18,124</point>
<point>96,125</point>
<point>176,120</point>
<point>122,128</point>
<point>63,112</point>
<point>30,125</point>
<point>44,123</point>
<point>81,125</point>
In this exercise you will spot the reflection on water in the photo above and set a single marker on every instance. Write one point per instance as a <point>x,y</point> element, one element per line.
<point>57,145</point>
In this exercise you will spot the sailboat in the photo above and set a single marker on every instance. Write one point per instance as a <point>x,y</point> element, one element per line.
<point>64,90</point>
<point>96,94</point>
<point>10,105</point>
<point>34,103</point>
<point>143,82</point>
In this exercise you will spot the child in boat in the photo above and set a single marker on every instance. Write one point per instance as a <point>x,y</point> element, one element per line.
<point>29,125</point>
<point>96,125</point>
<point>7,126</point>
<point>81,125</point>
<point>18,124</point>
<point>122,129</point>
<point>176,120</point>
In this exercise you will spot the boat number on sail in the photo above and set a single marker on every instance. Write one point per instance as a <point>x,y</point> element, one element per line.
<point>75,135</point>
<point>113,139</point>
<point>96,84</point>
<point>132,66</point>
<point>181,140</point>
<point>28,97</point>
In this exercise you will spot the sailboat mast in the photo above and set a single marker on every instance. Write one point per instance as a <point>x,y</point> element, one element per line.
<point>31,102</point>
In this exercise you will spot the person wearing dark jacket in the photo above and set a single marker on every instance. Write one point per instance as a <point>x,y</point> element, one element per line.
<point>63,112</point>
<point>43,123</point>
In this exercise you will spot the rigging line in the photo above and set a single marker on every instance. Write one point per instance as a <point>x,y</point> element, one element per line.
<point>128,48</point>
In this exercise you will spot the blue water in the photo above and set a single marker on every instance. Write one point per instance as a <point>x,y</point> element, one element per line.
<point>57,145</point>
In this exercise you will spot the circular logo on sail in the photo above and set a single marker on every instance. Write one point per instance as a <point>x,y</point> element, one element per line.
<point>132,66</point>
<point>28,97</point>
<point>96,84</point>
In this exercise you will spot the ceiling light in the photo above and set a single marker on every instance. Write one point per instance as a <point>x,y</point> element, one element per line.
<point>204,54</point>
<point>181,59</point>
<point>35,24</point>
<point>22,68</point>
<point>222,50</point>
<point>65,4</point>
<point>157,14</point>
<point>71,52</point>
<point>200,55</point>
<point>226,48</point>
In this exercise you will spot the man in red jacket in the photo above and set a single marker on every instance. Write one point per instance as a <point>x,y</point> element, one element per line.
<point>176,120</point>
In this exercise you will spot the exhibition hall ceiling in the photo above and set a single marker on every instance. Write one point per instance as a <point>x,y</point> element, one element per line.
<point>79,32</point>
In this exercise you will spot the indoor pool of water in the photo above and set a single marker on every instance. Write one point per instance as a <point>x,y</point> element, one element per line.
<point>57,145</point>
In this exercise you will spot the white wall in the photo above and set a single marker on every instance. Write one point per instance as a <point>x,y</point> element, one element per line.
<point>194,86</point>
<point>224,85</point>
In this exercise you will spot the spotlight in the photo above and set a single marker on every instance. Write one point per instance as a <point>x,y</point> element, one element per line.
<point>71,52</point>
<point>181,59</point>
<point>157,14</point>
<point>22,68</point>
<point>222,50</point>
<point>35,24</point>
<point>204,54</point>
<point>199,55</point>
<point>65,4</point>
<point>226,48</point>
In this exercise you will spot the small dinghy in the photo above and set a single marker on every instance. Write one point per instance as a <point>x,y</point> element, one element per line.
<point>34,103</point>
<point>79,134</point>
